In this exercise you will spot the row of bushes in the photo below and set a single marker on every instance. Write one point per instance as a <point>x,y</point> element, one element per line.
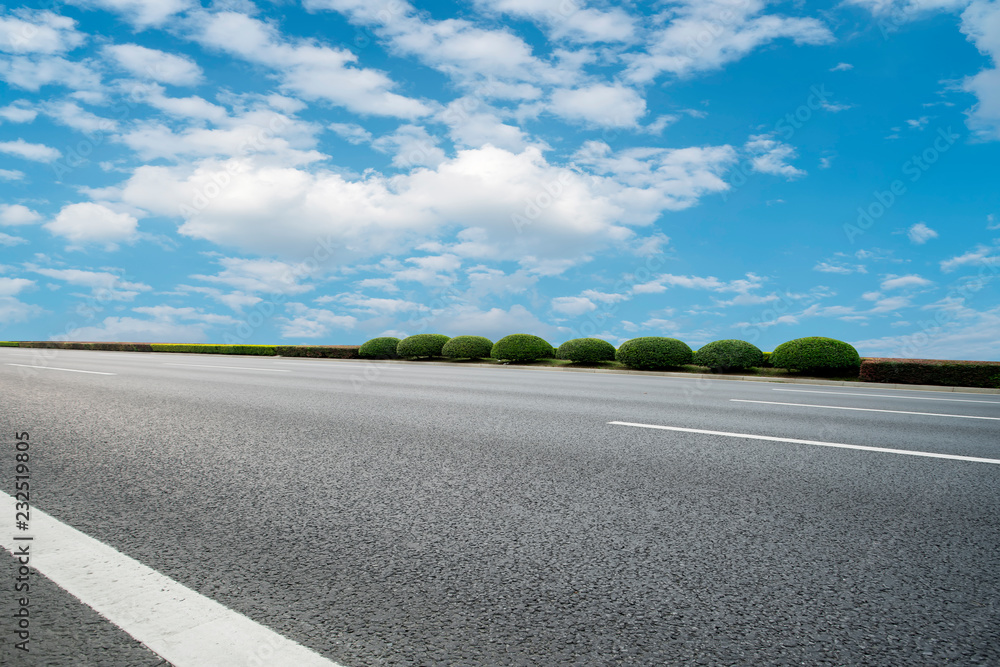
<point>814,354</point>
<point>931,371</point>
<point>324,351</point>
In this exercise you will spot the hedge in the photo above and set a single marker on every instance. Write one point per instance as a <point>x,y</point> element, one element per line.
<point>210,348</point>
<point>729,354</point>
<point>931,371</point>
<point>651,352</point>
<point>522,347</point>
<point>7,343</point>
<point>108,347</point>
<point>816,354</point>
<point>467,347</point>
<point>422,345</point>
<point>379,348</point>
<point>586,350</point>
<point>319,351</point>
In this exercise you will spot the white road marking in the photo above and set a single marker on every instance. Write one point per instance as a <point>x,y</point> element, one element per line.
<point>840,407</point>
<point>933,455</point>
<point>908,398</point>
<point>180,625</point>
<point>239,368</point>
<point>71,370</point>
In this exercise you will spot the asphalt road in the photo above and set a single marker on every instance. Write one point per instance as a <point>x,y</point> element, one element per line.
<point>408,514</point>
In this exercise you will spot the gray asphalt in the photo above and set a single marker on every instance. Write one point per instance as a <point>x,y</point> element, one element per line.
<point>408,514</point>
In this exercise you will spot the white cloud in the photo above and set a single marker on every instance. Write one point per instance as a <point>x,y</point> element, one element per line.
<point>842,67</point>
<point>38,32</point>
<point>599,104</point>
<point>131,329</point>
<point>13,310</point>
<point>495,323</point>
<point>604,297</point>
<point>921,233</point>
<point>991,222</point>
<point>261,275</point>
<point>313,322</point>
<point>351,132</point>
<point>170,313</point>
<point>898,282</point>
<point>35,152</point>
<point>981,24</point>
<point>769,156</point>
<point>14,113</point>
<point>156,65</point>
<point>31,73</point>
<point>963,334</point>
<point>570,21</point>
<point>92,223</point>
<point>17,214</point>
<point>141,13</point>
<point>95,280</point>
<point>310,70</point>
<point>472,123</point>
<point>918,123</point>
<point>72,115</point>
<point>845,269</point>
<point>707,34</point>
<point>8,240</point>
<point>890,304</point>
<point>411,146</point>
<point>11,175</point>
<point>573,305</point>
<point>980,256</point>
<point>13,286</point>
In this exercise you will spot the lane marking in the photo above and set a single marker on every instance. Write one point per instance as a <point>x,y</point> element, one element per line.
<point>908,452</point>
<point>53,368</point>
<point>908,398</point>
<point>183,627</point>
<point>240,368</point>
<point>840,407</point>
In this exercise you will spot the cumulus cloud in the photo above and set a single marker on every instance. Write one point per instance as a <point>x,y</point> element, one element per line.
<point>573,305</point>
<point>899,282</point>
<point>769,156</point>
<point>41,32</point>
<point>17,214</point>
<point>599,104</point>
<point>920,233</point>
<point>92,223</point>
<point>154,64</point>
<point>29,151</point>
<point>568,20</point>
<point>141,13</point>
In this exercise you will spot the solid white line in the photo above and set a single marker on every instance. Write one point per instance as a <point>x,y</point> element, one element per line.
<point>239,368</point>
<point>182,626</point>
<point>840,407</point>
<point>908,398</point>
<point>933,455</point>
<point>71,370</point>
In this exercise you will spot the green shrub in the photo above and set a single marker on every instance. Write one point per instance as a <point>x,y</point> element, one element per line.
<point>522,347</point>
<point>931,371</point>
<point>421,345</point>
<point>467,347</point>
<point>766,363</point>
<point>816,355</point>
<point>7,343</point>
<point>586,350</point>
<point>729,354</point>
<point>654,352</point>
<point>379,348</point>
<point>320,351</point>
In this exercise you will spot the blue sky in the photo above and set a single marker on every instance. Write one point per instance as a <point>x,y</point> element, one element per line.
<point>329,171</point>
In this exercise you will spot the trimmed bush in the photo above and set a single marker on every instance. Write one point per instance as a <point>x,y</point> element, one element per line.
<point>654,352</point>
<point>586,350</point>
<point>320,351</point>
<point>932,371</point>
<point>729,354</point>
<point>110,347</point>
<point>467,347</point>
<point>522,347</point>
<point>422,345</point>
<point>816,355</point>
<point>379,348</point>
<point>7,343</point>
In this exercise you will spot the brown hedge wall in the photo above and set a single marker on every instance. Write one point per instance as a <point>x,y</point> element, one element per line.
<point>931,371</point>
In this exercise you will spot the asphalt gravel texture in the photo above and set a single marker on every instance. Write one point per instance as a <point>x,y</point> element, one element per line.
<point>416,514</point>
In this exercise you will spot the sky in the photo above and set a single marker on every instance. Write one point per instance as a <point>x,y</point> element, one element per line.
<point>328,171</point>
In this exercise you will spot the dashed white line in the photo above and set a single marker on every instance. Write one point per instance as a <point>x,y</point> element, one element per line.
<point>239,368</point>
<point>182,626</point>
<point>70,370</point>
<point>908,398</point>
<point>795,441</point>
<point>840,407</point>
